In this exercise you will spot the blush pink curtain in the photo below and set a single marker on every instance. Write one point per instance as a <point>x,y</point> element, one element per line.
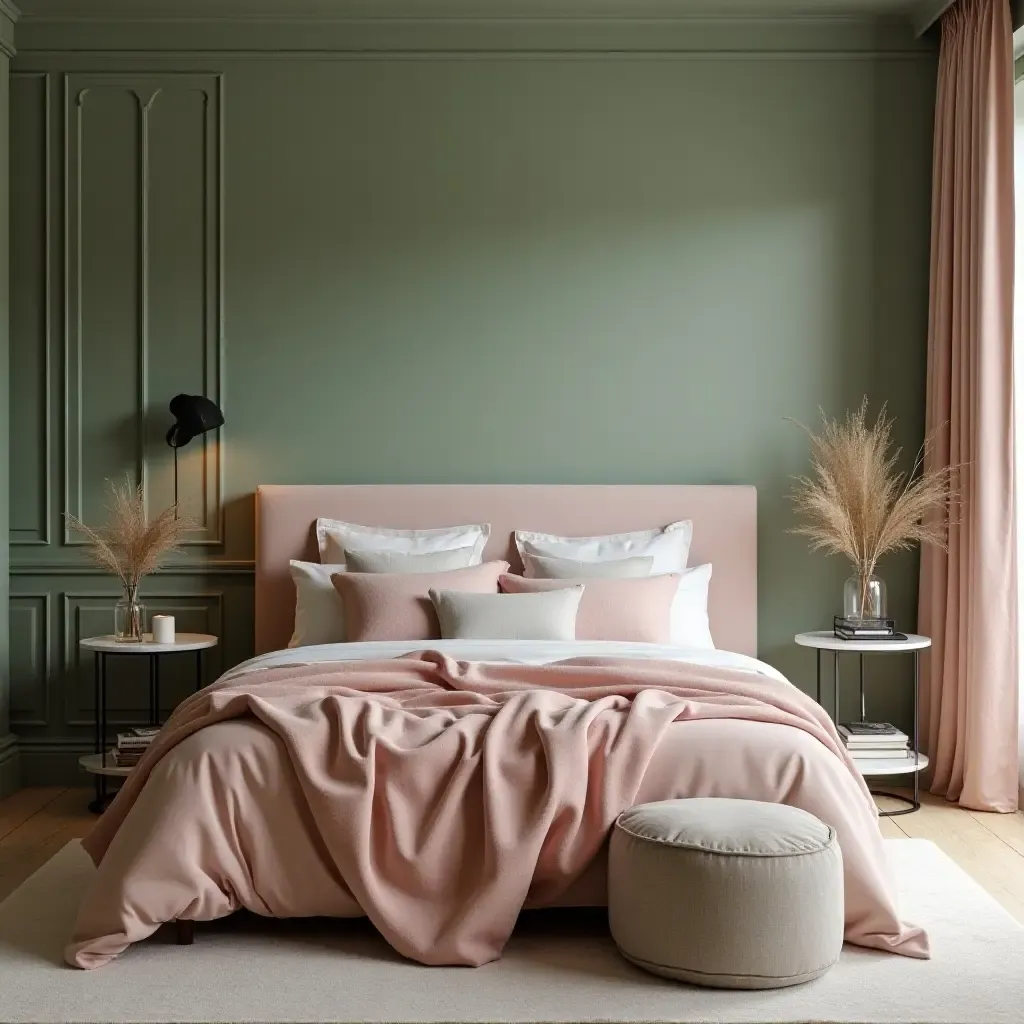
<point>968,595</point>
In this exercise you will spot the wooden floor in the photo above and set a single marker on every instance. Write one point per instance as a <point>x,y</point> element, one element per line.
<point>36,823</point>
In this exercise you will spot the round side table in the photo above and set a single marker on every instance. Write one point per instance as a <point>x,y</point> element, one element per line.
<point>826,640</point>
<point>100,763</point>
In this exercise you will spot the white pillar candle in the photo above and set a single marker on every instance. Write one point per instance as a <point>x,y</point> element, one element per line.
<point>163,629</point>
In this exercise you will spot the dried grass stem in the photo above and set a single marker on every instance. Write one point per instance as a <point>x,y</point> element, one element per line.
<point>128,545</point>
<point>855,503</point>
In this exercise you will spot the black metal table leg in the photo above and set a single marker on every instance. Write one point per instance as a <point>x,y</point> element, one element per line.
<point>100,803</point>
<point>913,803</point>
<point>917,727</point>
<point>863,709</point>
<point>156,690</point>
<point>199,670</point>
<point>835,658</point>
<point>97,746</point>
<point>152,689</point>
<point>818,659</point>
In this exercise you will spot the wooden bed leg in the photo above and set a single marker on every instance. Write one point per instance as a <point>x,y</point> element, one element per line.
<point>186,932</point>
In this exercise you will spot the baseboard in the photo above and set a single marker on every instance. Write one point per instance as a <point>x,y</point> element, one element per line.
<point>10,765</point>
<point>53,762</point>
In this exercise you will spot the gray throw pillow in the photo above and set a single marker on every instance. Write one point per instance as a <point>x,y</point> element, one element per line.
<point>547,616</point>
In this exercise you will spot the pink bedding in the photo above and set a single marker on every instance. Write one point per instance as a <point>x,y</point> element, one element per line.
<point>439,797</point>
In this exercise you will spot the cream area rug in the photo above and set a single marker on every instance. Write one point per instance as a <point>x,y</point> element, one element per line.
<point>559,967</point>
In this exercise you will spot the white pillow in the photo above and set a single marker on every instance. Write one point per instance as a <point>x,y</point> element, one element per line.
<point>550,567</point>
<point>689,625</point>
<point>333,536</point>
<point>547,616</point>
<point>319,613</point>
<point>357,560</point>
<point>669,547</point>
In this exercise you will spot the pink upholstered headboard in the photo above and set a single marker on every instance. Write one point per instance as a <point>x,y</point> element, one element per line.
<point>724,533</point>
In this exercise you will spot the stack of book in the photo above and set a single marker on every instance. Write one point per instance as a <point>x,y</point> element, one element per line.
<point>874,740</point>
<point>866,629</point>
<point>132,745</point>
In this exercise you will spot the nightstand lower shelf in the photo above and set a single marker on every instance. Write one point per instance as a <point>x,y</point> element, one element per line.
<point>102,767</point>
<point>103,764</point>
<point>883,766</point>
<point>891,765</point>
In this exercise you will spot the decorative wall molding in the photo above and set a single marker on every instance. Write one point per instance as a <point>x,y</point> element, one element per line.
<point>146,88</point>
<point>213,338</point>
<point>214,567</point>
<point>35,631</point>
<point>40,535</point>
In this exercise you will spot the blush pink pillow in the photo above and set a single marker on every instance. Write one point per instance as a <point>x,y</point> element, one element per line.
<point>397,606</point>
<point>636,609</point>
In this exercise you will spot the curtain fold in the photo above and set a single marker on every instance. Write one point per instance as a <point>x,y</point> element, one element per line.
<point>968,594</point>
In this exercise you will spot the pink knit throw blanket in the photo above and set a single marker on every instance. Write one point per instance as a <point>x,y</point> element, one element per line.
<point>440,796</point>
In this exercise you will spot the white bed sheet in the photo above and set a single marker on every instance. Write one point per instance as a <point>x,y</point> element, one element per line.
<point>523,652</point>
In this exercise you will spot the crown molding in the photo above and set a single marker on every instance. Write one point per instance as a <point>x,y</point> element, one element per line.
<point>465,26</point>
<point>82,11</point>
<point>793,34</point>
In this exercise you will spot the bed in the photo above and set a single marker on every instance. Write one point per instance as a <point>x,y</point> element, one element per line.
<point>440,787</point>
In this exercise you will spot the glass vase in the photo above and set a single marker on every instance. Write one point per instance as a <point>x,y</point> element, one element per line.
<point>129,620</point>
<point>864,598</point>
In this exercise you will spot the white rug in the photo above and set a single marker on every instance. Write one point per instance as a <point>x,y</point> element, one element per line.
<point>554,970</point>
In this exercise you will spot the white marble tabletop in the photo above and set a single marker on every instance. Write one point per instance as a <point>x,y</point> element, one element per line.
<point>182,642</point>
<point>826,640</point>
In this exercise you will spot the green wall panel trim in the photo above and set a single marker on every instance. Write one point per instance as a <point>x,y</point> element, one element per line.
<point>240,567</point>
<point>10,766</point>
<point>5,492</point>
<point>31,659</point>
<point>144,257</point>
<point>32,315</point>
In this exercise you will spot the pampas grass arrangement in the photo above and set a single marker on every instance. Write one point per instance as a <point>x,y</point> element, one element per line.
<point>856,504</point>
<point>128,544</point>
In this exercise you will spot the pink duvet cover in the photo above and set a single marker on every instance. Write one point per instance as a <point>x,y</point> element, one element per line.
<point>440,797</point>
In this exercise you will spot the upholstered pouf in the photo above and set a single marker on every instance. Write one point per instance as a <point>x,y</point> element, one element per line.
<point>726,893</point>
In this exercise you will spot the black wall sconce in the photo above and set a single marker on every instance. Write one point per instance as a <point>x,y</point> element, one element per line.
<point>193,415</point>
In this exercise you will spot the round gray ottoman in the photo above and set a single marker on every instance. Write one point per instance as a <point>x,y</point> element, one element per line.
<point>726,893</point>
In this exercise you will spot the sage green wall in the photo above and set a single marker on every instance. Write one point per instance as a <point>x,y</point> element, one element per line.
<point>568,267</point>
